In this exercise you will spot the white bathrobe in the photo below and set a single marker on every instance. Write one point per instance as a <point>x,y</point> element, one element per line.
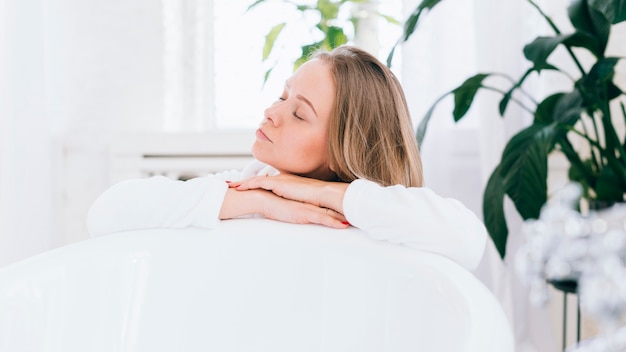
<point>413,217</point>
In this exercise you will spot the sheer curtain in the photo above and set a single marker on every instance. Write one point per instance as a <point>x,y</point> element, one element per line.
<point>72,73</point>
<point>453,42</point>
<point>26,221</point>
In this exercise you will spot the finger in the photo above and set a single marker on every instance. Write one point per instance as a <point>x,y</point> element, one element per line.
<point>332,219</point>
<point>256,182</point>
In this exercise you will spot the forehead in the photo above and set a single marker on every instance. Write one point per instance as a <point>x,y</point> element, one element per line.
<point>314,81</point>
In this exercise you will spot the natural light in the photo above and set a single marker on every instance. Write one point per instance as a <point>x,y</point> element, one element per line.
<point>240,95</point>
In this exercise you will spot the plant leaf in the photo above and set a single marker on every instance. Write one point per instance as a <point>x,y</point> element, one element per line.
<point>524,168</point>
<point>410,24</point>
<point>464,94</point>
<point>270,38</point>
<point>592,22</point>
<point>581,173</point>
<point>493,211</point>
<point>507,96</point>
<point>545,110</point>
<point>568,108</point>
<point>613,10</point>
<point>335,37</point>
<point>421,129</point>
<point>306,52</point>
<point>540,49</point>
<point>598,82</point>
<point>254,5</point>
<point>608,186</point>
<point>619,6</point>
<point>266,76</point>
<point>328,9</point>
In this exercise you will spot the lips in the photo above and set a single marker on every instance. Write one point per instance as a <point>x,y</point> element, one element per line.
<point>261,135</point>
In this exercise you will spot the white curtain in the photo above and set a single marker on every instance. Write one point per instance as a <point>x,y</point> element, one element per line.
<point>72,74</point>
<point>456,40</point>
<point>26,222</point>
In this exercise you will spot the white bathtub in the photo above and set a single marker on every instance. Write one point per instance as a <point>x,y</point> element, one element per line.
<point>249,285</point>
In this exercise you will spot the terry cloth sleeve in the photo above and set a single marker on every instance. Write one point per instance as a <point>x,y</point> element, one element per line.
<point>157,202</point>
<point>417,218</point>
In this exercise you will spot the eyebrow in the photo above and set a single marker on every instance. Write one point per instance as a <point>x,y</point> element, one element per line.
<point>305,100</point>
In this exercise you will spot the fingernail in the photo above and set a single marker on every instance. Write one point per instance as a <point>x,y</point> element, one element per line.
<point>227,181</point>
<point>345,223</point>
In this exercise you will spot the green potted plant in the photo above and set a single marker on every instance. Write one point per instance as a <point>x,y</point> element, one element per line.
<point>332,31</point>
<point>590,111</point>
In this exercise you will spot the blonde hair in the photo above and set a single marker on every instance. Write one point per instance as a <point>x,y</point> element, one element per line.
<point>370,132</point>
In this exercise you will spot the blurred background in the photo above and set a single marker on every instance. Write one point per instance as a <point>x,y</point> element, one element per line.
<point>92,92</point>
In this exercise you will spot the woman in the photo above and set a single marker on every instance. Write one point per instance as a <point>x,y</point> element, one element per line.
<point>335,149</point>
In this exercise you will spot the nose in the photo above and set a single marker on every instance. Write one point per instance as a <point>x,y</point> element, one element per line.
<point>272,115</point>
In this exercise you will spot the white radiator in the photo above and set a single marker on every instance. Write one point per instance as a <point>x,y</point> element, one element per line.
<point>178,156</point>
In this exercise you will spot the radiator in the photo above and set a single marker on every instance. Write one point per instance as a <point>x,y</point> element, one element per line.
<point>178,156</point>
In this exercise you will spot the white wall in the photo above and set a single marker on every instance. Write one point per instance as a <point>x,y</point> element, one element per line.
<point>74,73</point>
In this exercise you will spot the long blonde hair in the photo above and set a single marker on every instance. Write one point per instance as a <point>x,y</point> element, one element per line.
<point>370,132</point>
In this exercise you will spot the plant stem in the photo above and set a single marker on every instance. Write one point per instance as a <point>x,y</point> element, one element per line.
<point>557,31</point>
<point>529,110</point>
<point>597,135</point>
<point>575,161</point>
<point>519,88</point>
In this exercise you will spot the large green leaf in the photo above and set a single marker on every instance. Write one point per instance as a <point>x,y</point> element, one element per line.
<point>590,21</point>
<point>493,211</point>
<point>540,49</point>
<point>463,98</point>
<point>544,113</point>
<point>464,95</point>
<point>613,10</point>
<point>568,108</point>
<point>598,84</point>
<point>619,6</point>
<point>524,168</point>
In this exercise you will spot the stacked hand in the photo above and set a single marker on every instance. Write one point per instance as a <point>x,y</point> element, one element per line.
<point>287,198</point>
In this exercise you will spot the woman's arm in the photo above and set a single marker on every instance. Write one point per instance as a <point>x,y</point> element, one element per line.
<point>157,202</point>
<point>415,217</point>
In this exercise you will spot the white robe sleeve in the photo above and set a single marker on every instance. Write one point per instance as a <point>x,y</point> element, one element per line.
<point>417,218</point>
<point>157,202</point>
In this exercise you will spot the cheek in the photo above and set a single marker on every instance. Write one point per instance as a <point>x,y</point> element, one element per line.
<point>312,146</point>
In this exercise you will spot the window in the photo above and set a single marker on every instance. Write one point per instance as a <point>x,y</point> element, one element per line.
<point>213,58</point>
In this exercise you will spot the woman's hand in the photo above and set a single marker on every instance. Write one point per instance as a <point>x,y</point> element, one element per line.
<point>322,194</point>
<point>259,201</point>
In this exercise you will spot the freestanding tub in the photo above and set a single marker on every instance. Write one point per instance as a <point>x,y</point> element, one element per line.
<point>248,285</point>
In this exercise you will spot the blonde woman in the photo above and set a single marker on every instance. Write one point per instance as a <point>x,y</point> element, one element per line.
<point>336,149</point>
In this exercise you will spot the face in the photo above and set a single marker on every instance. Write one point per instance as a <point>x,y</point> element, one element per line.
<point>293,134</point>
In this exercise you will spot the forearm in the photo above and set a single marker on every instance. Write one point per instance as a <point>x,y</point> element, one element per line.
<point>417,218</point>
<point>157,202</point>
<point>331,195</point>
<point>238,203</point>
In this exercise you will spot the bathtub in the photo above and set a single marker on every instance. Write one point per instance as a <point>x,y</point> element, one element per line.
<point>248,285</point>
